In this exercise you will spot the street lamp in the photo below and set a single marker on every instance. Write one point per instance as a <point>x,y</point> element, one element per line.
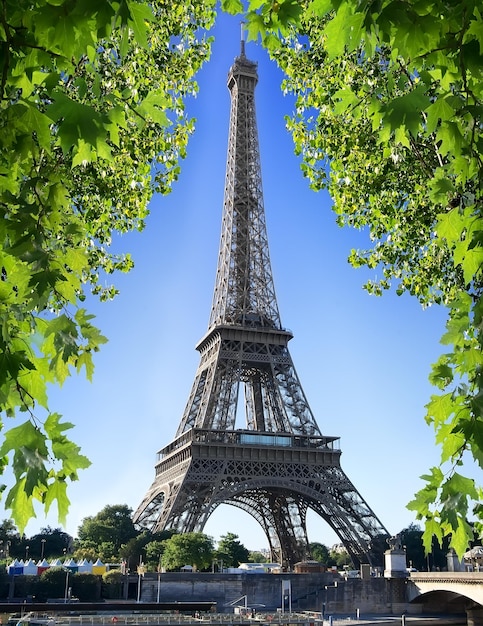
<point>125,572</point>
<point>66,593</point>
<point>140,573</point>
<point>27,552</point>
<point>159,580</point>
<point>42,541</point>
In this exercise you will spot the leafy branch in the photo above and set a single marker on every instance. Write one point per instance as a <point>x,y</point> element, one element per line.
<point>94,90</point>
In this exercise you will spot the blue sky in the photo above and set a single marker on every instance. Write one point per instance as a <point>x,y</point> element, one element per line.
<point>363,361</point>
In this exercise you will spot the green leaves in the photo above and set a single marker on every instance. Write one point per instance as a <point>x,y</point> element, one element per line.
<point>439,111</point>
<point>342,32</point>
<point>63,449</point>
<point>79,128</point>
<point>20,502</point>
<point>453,494</point>
<point>34,481</point>
<point>468,252</point>
<point>267,20</point>
<point>194,547</point>
<point>403,113</point>
<point>141,15</point>
<point>92,124</point>
<point>28,439</point>
<point>153,106</point>
<point>232,6</point>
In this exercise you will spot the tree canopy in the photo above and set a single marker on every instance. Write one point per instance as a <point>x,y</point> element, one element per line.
<point>195,549</point>
<point>49,541</point>
<point>319,552</point>
<point>231,551</point>
<point>111,525</point>
<point>92,122</point>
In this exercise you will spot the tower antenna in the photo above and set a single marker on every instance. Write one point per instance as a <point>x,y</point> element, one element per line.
<point>242,38</point>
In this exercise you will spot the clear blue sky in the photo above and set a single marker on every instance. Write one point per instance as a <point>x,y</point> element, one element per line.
<point>363,361</point>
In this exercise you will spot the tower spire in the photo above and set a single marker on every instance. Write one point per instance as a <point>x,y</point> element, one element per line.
<point>244,291</point>
<point>277,465</point>
<point>242,39</point>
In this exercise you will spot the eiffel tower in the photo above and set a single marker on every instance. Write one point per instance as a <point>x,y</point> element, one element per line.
<point>280,465</point>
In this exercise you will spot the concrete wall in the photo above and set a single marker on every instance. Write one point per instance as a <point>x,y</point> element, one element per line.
<point>310,592</point>
<point>374,595</point>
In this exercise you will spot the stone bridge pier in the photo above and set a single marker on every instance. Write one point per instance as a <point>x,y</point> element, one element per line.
<point>474,617</point>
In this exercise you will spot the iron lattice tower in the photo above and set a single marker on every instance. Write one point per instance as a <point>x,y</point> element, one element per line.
<point>280,465</point>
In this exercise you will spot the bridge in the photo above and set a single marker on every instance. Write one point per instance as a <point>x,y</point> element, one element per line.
<point>454,592</point>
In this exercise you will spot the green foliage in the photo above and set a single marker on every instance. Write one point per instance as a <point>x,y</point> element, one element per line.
<point>231,551</point>
<point>112,576</point>
<point>112,584</point>
<point>86,587</point>
<point>91,124</point>
<point>53,582</point>
<point>416,555</point>
<point>153,552</point>
<point>135,548</point>
<point>111,536</point>
<point>49,542</point>
<point>107,552</point>
<point>256,557</point>
<point>4,582</point>
<point>146,546</point>
<point>9,538</point>
<point>388,119</point>
<point>87,551</point>
<point>340,558</point>
<point>195,549</point>
<point>24,586</point>
<point>107,531</point>
<point>319,552</point>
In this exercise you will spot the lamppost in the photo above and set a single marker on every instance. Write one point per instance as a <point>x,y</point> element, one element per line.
<point>42,541</point>
<point>27,552</point>
<point>140,573</point>
<point>159,580</point>
<point>66,593</point>
<point>125,572</point>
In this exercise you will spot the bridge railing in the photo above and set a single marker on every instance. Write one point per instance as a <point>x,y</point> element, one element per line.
<point>162,619</point>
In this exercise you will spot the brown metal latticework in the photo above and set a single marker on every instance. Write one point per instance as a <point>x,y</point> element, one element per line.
<point>279,465</point>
